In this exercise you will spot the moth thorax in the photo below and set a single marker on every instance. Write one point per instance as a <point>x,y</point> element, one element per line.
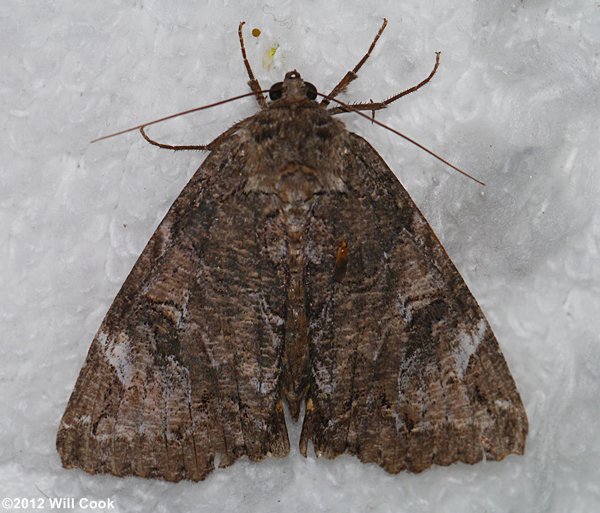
<point>295,183</point>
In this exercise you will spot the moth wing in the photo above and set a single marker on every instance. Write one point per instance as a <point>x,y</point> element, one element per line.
<point>405,370</point>
<point>186,364</point>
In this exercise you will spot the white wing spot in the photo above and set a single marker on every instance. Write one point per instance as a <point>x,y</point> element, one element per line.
<point>468,344</point>
<point>117,352</point>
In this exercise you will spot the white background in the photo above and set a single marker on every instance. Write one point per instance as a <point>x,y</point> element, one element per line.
<point>515,102</point>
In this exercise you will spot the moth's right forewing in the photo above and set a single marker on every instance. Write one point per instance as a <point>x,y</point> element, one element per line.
<point>405,370</point>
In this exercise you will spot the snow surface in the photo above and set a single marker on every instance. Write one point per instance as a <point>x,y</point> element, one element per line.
<point>515,102</point>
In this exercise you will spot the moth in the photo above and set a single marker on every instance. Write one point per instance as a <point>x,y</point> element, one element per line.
<point>293,267</point>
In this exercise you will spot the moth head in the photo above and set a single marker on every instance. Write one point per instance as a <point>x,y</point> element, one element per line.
<point>292,88</point>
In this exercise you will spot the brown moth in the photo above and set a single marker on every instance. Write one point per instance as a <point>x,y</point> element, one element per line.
<point>292,267</point>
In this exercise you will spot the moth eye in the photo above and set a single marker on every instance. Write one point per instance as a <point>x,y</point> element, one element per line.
<point>276,91</point>
<point>311,91</point>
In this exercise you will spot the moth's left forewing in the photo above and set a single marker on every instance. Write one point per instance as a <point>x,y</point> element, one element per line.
<point>186,364</point>
<point>405,370</point>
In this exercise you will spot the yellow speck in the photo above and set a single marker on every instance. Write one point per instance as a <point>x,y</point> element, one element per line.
<point>279,407</point>
<point>269,56</point>
<point>309,405</point>
<point>256,32</point>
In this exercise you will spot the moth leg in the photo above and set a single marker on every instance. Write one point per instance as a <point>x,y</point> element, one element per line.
<point>253,83</point>
<point>352,75</point>
<point>373,106</point>
<point>169,147</point>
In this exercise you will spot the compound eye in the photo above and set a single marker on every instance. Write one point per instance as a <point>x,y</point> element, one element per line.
<point>276,91</point>
<point>311,91</point>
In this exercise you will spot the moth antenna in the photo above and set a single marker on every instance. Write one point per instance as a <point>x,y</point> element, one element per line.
<point>183,113</point>
<point>253,82</point>
<point>383,125</point>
